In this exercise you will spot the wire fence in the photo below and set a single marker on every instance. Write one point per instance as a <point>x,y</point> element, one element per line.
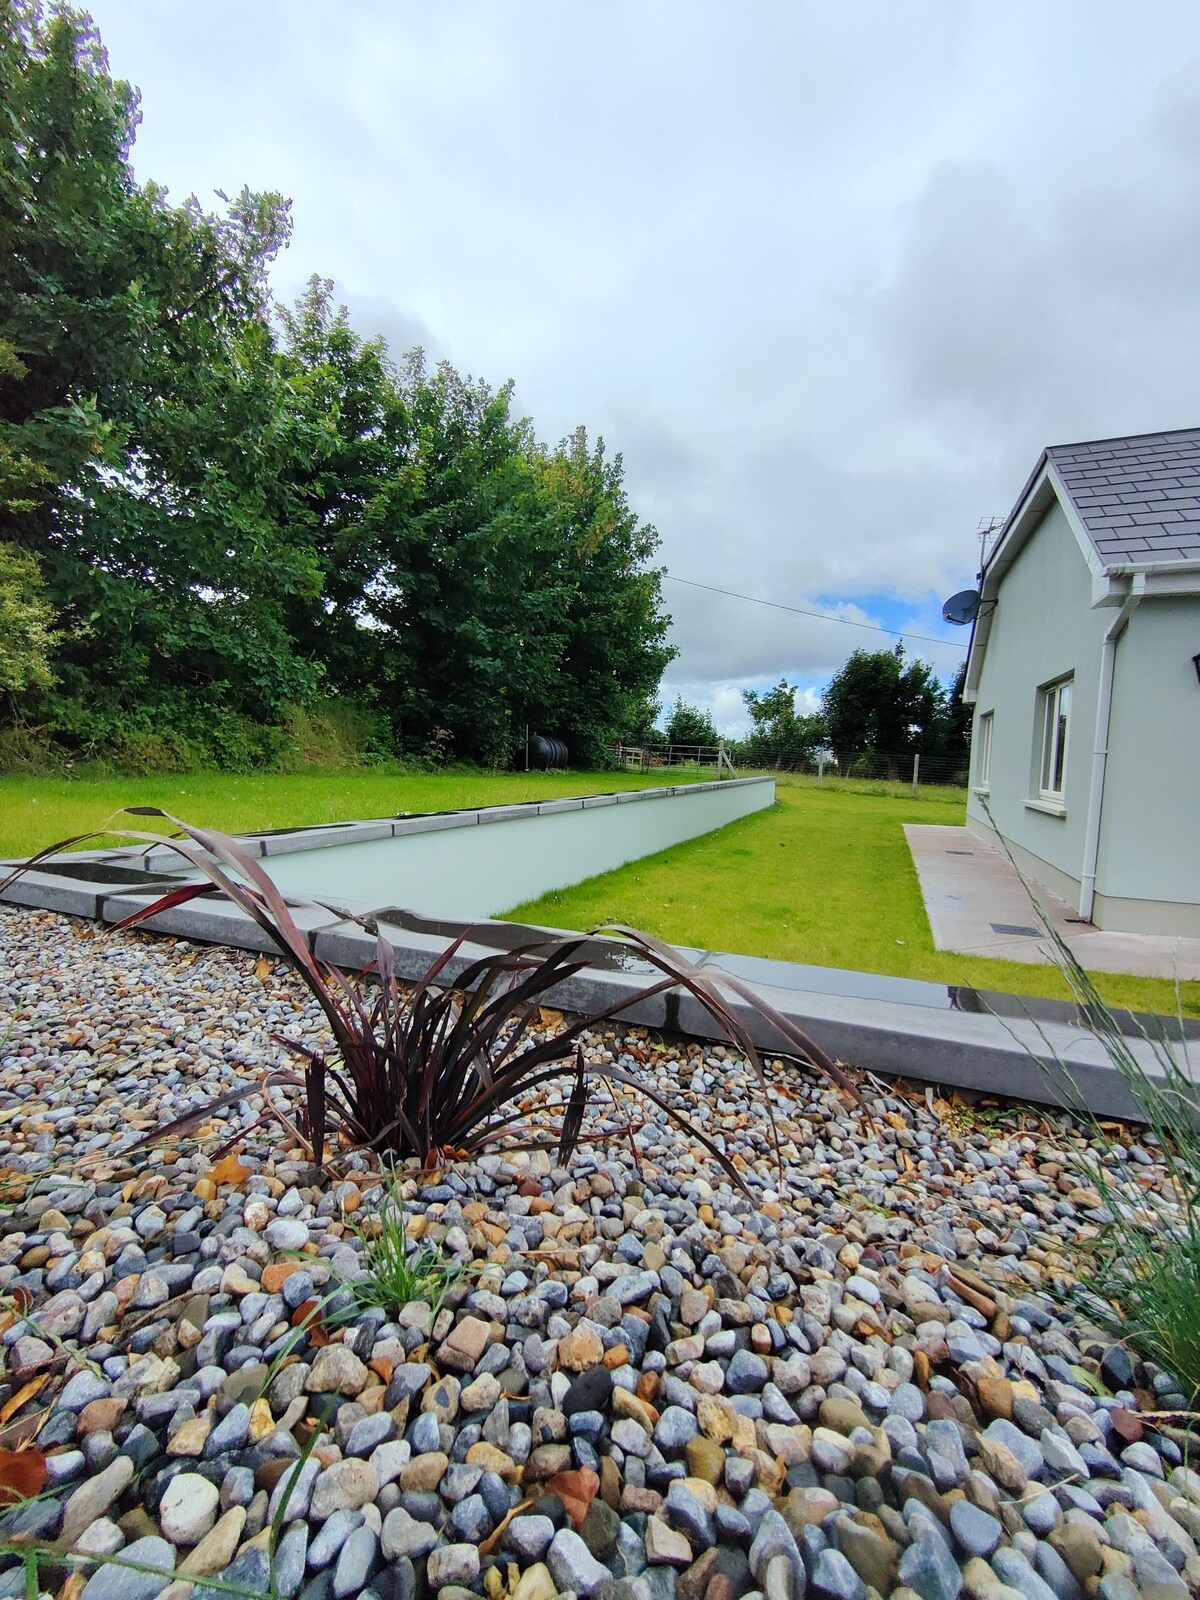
<point>745,757</point>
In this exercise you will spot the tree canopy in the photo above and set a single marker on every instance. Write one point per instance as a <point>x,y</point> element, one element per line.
<point>213,508</point>
<point>689,725</point>
<point>880,703</point>
<point>782,737</point>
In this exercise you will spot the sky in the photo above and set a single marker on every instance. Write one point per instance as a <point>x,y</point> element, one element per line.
<point>828,277</point>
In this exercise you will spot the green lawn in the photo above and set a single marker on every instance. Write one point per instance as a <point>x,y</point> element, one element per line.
<point>37,811</point>
<point>825,877</point>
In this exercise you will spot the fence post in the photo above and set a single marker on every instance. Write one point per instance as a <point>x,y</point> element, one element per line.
<point>820,772</point>
<point>916,773</point>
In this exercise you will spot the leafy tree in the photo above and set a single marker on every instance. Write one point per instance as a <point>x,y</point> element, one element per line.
<point>641,726</point>
<point>133,403</point>
<point>781,737</point>
<point>957,718</point>
<point>614,648</point>
<point>877,703</point>
<point>473,581</point>
<point>689,725</point>
<point>25,633</point>
<point>227,509</point>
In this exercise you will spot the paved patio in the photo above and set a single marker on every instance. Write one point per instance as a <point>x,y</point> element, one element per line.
<point>977,906</point>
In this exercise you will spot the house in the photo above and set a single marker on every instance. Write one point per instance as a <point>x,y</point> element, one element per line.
<point>1084,672</point>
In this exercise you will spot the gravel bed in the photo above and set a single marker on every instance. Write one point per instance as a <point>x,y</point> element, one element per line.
<point>851,1386</point>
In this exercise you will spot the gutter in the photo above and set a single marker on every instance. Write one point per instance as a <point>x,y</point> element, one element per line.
<point>1108,661</point>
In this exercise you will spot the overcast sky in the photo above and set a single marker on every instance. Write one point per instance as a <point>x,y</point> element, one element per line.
<point>829,277</point>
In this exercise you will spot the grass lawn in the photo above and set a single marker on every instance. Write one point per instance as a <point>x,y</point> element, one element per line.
<point>825,877</point>
<point>36,811</point>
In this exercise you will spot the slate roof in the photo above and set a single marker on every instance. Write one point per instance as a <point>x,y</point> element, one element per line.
<point>1138,497</point>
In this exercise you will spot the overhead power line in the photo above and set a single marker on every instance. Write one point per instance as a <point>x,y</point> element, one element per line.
<point>821,616</point>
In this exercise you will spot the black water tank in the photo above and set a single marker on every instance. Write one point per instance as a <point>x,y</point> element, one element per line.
<point>546,752</point>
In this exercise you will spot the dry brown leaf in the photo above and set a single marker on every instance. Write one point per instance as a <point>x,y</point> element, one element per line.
<point>262,969</point>
<point>229,1170</point>
<point>23,1474</point>
<point>308,1316</point>
<point>10,1407</point>
<point>549,1018</point>
<point>576,1489</point>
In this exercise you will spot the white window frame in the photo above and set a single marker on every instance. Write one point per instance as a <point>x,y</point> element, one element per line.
<point>1054,727</point>
<point>983,766</point>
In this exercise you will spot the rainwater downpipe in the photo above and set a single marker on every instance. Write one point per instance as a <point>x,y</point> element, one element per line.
<point>1108,661</point>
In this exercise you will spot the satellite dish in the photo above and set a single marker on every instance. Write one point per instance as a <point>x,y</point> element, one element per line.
<point>961,607</point>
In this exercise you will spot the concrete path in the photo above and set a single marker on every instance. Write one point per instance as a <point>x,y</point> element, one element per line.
<point>977,906</point>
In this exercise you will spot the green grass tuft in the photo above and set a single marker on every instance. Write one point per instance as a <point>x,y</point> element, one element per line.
<point>396,1272</point>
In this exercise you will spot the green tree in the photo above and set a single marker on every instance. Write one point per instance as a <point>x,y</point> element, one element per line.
<point>613,648</point>
<point>134,351</point>
<point>473,581</point>
<point>781,737</point>
<point>876,703</point>
<point>689,725</point>
<point>229,510</point>
<point>26,637</point>
<point>641,726</point>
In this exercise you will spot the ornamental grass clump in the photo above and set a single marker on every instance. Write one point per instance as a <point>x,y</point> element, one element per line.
<point>1140,1277</point>
<point>396,1271</point>
<point>444,1067</point>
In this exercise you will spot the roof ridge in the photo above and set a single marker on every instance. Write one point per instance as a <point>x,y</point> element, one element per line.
<point>1124,438</point>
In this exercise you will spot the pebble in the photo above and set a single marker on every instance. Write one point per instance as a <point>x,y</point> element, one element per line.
<point>188,1509</point>
<point>770,1392</point>
<point>118,1582</point>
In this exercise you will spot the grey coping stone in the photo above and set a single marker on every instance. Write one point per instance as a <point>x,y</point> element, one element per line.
<point>550,808</point>
<point>286,844</point>
<point>590,800</point>
<point>212,920</point>
<point>513,813</point>
<point>434,822</point>
<point>51,893</point>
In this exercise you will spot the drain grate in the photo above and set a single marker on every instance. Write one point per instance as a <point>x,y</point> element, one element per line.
<point>1015,927</point>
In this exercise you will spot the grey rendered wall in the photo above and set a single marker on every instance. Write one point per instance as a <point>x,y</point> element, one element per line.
<point>1148,871</point>
<point>1042,628</point>
<point>486,869</point>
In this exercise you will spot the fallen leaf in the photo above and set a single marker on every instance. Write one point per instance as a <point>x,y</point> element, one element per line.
<point>262,969</point>
<point>549,1018</point>
<point>26,1392</point>
<point>308,1316</point>
<point>576,1489</point>
<point>23,1474</point>
<point>229,1170</point>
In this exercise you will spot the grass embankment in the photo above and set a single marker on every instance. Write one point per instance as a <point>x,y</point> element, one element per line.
<point>825,877</point>
<point>36,811</point>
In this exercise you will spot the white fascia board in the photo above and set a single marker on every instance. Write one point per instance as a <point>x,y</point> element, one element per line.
<point>1082,537</point>
<point>1045,487</point>
<point>1163,582</point>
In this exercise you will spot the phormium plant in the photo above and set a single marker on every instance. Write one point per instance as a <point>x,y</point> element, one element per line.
<point>442,1069</point>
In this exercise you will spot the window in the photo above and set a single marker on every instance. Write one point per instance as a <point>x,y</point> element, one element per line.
<point>1056,716</point>
<point>983,766</point>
